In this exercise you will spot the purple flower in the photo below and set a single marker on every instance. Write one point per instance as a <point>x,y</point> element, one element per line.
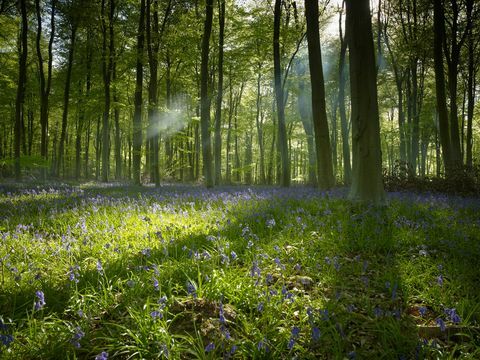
<point>155,283</point>
<point>100,268</point>
<point>233,254</point>
<point>6,339</point>
<point>77,336</point>
<point>295,331</point>
<point>260,307</point>
<point>315,333</point>
<point>102,356</point>
<point>290,344</point>
<point>452,314</point>
<point>191,290</point>
<point>441,324</point>
<point>440,280</point>
<point>210,347</point>
<point>221,315</point>
<point>40,303</point>
<point>422,310</point>
<point>156,314</point>
<point>271,223</point>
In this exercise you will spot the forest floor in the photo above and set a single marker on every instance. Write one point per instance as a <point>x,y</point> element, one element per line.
<point>236,272</point>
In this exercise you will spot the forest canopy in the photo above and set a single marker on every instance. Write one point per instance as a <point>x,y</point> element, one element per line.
<point>221,91</point>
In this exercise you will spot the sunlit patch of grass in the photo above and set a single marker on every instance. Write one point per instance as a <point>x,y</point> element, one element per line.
<point>181,272</point>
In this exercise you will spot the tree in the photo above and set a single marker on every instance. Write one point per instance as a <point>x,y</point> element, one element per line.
<point>319,111</point>
<point>279,98</point>
<point>45,83</point>
<point>367,183</point>
<point>205,98</point>
<point>438,39</point>
<point>218,112</point>
<point>137,116</point>
<point>22,81</point>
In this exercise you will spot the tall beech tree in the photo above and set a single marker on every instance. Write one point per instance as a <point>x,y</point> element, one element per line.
<point>205,97</point>
<point>218,110</point>
<point>319,108</point>
<point>45,83</point>
<point>279,98</point>
<point>137,116</point>
<point>22,81</point>
<point>367,183</point>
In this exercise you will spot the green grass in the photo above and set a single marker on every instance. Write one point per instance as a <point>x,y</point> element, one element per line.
<point>181,272</point>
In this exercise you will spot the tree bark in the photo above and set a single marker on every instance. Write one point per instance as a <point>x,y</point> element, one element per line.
<point>367,185</point>
<point>66,98</point>
<point>205,98</point>
<point>22,81</point>
<point>438,38</point>
<point>137,116</point>
<point>45,84</point>
<point>279,97</point>
<point>347,166</point>
<point>218,112</point>
<point>259,125</point>
<point>319,109</point>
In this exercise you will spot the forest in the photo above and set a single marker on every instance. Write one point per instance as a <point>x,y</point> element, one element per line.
<point>239,179</point>
<point>186,91</point>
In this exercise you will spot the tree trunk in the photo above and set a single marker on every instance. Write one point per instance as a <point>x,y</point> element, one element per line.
<point>218,112</point>
<point>347,167</point>
<point>279,96</point>
<point>438,38</point>
<point>259,125</point>
<point>205,98</point>
<point>153,47</point>
<point>319,108</point>
<point>137,116</point>
<point>66,98</point>
<point>116,118</point>
<point>22,81</point>
<point>471,88</point>
<point>45,84</point>
<point>367,182</point>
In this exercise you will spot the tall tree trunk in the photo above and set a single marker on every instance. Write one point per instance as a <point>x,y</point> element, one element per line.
<point>259,125</point>
<point>347,167</point>
<point>78,135</point>
<point>438,38</point>
<point>471,87</point>
<point>22,81</point>
<point>45,84</point>
<point>116,119</point>
<point>367,183</point>
<point>66,98</point>
<point>279,96</point>
<point>153,47</point>
<point>137,116</point>
<point>319,108</point>
<point>107,70</point>
<point>205,98</point>
<point>218,112</point>
<point>305,112</point>
<point>87,97</point>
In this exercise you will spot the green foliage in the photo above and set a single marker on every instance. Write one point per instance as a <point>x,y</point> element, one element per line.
<point>179,272</point>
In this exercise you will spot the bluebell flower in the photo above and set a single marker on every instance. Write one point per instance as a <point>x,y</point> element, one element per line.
<point>290,344</point>
<point>440,280</point>
<point>452,314</point>
<point>260,307</point>
<point>441,324</point>
<point>315,333</point>
<point>155,283</point>
<point>191,289</point>
<point>102,356</point>
<point>221,314</point>
<point>295,331</point>
<point>156,314</point>
<point>233,254</point>
<point>233,349</point>
<point>77,336</point>
<point>6,340</point>
<point>270,223</point>
<point>377,311</point>
<point>210,347</point>
<point>99,267</point>
<point>40,303</point>
<point>422,310</point>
